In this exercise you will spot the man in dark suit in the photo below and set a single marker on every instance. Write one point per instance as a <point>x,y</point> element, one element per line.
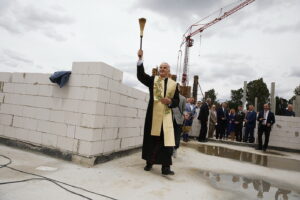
<point>266,119</point>
<point>250,124</point>
<point>222,119</point>
<point>203,117</point>
<point>239,120</point>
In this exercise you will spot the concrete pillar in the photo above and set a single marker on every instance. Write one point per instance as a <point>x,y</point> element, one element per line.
<point>244,94</point>
<point>272,97</point>
<point>195,87</point>
<point>255,104</point>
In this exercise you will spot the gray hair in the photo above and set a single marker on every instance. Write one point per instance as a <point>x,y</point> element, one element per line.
<point>165,63</point>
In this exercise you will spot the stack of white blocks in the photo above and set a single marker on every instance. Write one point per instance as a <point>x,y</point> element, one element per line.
<point>286,132</point>
<point>94,114</point>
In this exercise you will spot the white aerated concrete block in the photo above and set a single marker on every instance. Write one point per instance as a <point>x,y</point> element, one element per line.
<point>98,68</point>
<point>9,131</point>
<point>109,134</point>
<point>13,99</point>
<point>28,100</point>
<point>132,102</point>
<point>101,68</point>
<point>90,148</point>
<point>70,105</point>
<point>114,86</point>
<point>80,68</point>
<point>91,94</point>
<point>66,143</point>
<point>6,119</point>
<point>21,134</point>
<point>124,100</point>
<point>112,110</point>
<point>31,78</point>
<point>118,75</point>
<point>5,76</point>
<point>92,121</point>
<point>49,140</point>
<point>18,77</point>
<point>57,116</point>
<point>35,137</point>
<point>126,143</point>
<point>75,80</point>
<point>109,146</point>
<point>138,141</point>
<point>88,134</point>
<point>1,129</point>
<point>75,92</point>
<point>96,94</point>
<point>9,88</point>
<point>117,144</point>
<point>138,94</point>
<point>96,81</point>
<point>112,122</point>
<point>31,89</point>
<point>2,95</point>
<point>72,118</point>
<point>141,113</point>
<point>125,90</point>
<point>44,79</point>
<point>26,123</point>
<point>71,131</point>
<point>47,102</point>
<point>91,107</point>
<point>114,98</point>
<point>52,128</point>
<point>128,132</point>
<point>45,90</point>
<point>11,109</point>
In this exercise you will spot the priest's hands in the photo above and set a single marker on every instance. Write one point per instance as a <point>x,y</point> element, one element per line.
<point>165,101</point>
<point>140,54</point>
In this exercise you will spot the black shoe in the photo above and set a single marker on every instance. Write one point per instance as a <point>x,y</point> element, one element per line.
<point>264,149</point>
<point>167,171</point>
<point>258,148</point>
<point>148,167</point>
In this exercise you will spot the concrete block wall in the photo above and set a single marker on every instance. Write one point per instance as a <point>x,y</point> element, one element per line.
<point>286,132</point>
<point>94,114</point>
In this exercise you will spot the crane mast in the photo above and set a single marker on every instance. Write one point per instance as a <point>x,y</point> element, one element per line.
<point>188,41</point>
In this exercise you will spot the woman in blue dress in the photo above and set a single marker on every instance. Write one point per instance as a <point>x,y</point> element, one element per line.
<point>231,124</point>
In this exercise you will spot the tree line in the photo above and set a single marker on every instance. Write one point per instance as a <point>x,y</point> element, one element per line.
<point>256,88</point>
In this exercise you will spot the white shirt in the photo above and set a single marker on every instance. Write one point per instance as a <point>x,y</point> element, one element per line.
<point>266,113</point>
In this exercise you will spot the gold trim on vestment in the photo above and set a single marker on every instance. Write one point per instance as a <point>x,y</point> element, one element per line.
<point>162,115</point>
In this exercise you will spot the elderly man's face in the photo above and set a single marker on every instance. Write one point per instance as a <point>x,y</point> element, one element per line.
<point>164,70</point>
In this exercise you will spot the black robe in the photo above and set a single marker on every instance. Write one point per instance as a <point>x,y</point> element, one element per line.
<point>154,150</point>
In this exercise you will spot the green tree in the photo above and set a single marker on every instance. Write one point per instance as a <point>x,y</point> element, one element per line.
<point>296,92</point>
<point>257,88</point>
<point>211,94</point>
<point>236,98</point>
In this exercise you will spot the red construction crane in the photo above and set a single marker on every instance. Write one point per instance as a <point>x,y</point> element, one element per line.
<point>188,41</point>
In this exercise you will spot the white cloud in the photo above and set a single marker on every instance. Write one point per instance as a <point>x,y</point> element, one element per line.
<point>261,40</point>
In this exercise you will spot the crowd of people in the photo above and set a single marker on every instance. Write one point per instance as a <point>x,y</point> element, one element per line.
<point>223,123</point>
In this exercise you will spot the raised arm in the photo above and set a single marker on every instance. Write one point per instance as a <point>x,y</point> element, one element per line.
<point>141,75</point>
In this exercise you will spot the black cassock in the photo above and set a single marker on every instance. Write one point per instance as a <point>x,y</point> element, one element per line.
<point>154,151</point>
